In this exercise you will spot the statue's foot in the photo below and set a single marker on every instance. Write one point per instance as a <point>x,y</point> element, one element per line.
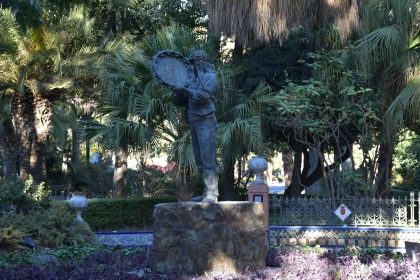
<point>210,199</point>
<point>198,198</point>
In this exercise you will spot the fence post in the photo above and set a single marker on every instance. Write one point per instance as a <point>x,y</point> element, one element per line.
<point>258,189</point>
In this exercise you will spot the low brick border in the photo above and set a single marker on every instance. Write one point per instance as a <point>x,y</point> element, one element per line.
<point>384,238</point>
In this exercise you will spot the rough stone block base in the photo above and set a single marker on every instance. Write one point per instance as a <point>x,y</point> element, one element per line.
<point>193,238</point>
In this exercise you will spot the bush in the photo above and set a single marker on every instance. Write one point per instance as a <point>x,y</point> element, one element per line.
<point>149,181</point>
<point>119,213</point>
<point>51,228</point>
<point>22,195</point>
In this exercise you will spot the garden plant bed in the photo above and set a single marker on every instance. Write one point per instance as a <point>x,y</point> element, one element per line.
<point>93,262</point>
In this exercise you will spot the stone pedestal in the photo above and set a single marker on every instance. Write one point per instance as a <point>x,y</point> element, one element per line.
<point>259,193</point>
<point>196,238</point>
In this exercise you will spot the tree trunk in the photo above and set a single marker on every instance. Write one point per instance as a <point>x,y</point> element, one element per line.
<point>43,112</point>
<point>186,188</point>
<point>32,116</point>
<point>229,167</point>
<point>9,151</point>
<point>120,173</point>
<point>75,142</point>
<point>229,182</point>
<point>23,117</point>
<point>295,189</point>
<point>384,170</point>
<point>287,157</point>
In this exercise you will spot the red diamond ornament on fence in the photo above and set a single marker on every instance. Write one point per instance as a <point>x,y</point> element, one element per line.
<point>342,212</point>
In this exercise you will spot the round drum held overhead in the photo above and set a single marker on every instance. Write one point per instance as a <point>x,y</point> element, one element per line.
<point>172,69</point>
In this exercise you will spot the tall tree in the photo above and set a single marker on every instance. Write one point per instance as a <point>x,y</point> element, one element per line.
<point>37,72</point>
<point>388,58</point>
<point>255,24</point>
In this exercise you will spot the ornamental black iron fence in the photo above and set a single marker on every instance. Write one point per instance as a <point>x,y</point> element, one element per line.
<point>394,212</point>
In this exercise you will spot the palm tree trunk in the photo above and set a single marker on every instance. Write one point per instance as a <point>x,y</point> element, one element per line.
<point>120,173</point>
<point>9,151</point>
<point>42,112</point>
<point>229,182</point>
<point>229,167</point>
<point>384,170</point>
<point>23,117</point>
<point>75,142</point>
<point>32,116</point>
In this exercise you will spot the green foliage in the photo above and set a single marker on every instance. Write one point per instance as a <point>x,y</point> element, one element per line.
<point>51,228</point>
<point>118,213</point>
<point>22,195</point>
<point>10,237</point>
<point>12,193</point>
<point>275,64</point>
<point>407,161</point>
<point>55,228</point>
<point>150,181</point>
<point>92,180</point>
<point>28,13</point>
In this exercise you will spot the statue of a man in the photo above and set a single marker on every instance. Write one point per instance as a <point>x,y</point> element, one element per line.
<point>199,98</point>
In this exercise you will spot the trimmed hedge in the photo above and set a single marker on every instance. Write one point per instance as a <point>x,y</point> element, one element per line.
<point>119,213</point>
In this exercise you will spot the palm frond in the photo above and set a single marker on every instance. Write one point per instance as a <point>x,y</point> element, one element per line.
<point>78,17</point>
<point>251,105</point>
<point>385,41</point>
<point>182,153</point>
<point>61,120</point>
<point>10,36</point>
<point>405,105</point>
<point>244,131</point>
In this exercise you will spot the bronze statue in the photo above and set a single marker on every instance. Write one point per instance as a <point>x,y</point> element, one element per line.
<point>199,99</point>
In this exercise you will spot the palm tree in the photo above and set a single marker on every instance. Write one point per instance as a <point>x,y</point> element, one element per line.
<point>127,77</point>
<point>388,58</point>
<point>239,132</point>
<point>149,115</point>
<point>404,108</point>
<point>37,71</point>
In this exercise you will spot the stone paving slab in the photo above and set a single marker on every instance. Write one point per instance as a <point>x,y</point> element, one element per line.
<point>126,239</point>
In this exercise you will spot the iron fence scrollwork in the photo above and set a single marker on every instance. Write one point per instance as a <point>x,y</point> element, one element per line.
<point>393,212</point>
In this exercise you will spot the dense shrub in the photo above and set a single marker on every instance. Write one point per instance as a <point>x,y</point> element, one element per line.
<point>92,180</point>
<point>119,213</point>
<point>51,228</point>
<point>150,180</point>
<point>21,195</point>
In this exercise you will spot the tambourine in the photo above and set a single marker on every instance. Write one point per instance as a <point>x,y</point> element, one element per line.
<point>171,69</point>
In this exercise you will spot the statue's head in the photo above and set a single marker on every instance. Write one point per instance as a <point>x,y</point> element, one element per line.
<point>199,55</point>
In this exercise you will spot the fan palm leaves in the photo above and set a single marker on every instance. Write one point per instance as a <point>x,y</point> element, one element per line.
<point>390,51</point>
<point>242,134</point>
<point>388,56</point>
<point>135,100</point>
<point>137,111</point>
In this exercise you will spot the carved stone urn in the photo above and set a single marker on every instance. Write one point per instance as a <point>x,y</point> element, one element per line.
<point>258,165</point>
<point>78,202</point>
